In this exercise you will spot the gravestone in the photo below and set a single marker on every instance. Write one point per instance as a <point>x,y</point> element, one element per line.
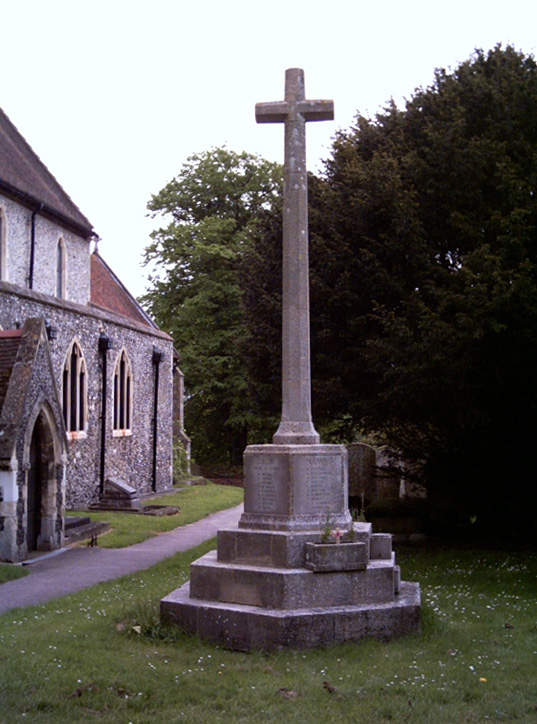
<point>388,475</point>
<point>362,472</point>
<point>255,590</point>
<point>117,495</point>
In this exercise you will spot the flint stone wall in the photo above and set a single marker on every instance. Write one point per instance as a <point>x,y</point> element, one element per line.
<point>18,220</point>
<point>129,457</point>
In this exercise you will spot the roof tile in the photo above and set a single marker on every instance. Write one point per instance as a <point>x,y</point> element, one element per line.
<point>109,293</point>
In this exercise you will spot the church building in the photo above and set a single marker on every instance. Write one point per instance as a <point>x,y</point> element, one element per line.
<point>86,377</point>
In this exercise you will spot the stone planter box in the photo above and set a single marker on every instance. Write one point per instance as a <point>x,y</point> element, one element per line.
<point>322,557</point>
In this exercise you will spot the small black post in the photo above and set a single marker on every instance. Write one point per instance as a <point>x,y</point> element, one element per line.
<point>157,359</point>
<point>104,346</point>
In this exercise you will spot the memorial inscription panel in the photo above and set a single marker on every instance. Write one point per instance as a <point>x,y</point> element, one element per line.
<point>267,478</point>
<point>320,495</point>
<point>322,487</point>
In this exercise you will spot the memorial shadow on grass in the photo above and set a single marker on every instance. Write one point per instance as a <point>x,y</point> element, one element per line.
<point>194,502</point>
<point>102,655</point>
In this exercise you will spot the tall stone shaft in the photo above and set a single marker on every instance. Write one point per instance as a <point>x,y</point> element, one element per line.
<point>296,426</point>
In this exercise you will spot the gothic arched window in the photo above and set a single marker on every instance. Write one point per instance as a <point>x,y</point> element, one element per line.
<point>60,269</point>
<point>122,394</point>
<point>74,391</point>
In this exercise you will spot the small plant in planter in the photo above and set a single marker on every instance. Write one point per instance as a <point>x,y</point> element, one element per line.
<point>327,530</point>
<point>336,534</point>
<point>336,551</point>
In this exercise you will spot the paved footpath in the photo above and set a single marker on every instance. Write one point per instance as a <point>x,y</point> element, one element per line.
<point>73,569</point>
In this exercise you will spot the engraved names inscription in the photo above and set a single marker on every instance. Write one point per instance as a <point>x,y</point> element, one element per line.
<point>319,476</point>
<point>318,483</point>
<point>266,476</point>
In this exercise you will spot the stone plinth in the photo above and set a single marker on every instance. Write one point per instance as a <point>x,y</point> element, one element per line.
<point>272,582</point>
<point>295,487</point>
<point>290,588</point>
<point>278,549</point>
<point>257,591</point>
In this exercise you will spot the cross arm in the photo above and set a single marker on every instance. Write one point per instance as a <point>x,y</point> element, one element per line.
<point>276,112</point>
<point>316,110</point>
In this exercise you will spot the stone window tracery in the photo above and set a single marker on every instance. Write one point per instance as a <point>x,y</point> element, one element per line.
<point>74,392</point>
<point>122,410</point>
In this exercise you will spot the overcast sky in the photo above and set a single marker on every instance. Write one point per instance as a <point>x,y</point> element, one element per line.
<point>114,95</point>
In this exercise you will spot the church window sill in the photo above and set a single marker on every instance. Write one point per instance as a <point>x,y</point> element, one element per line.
<point>77,435</point>
<point>121,433</point>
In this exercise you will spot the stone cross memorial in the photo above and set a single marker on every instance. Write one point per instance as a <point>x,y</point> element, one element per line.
<point>296,425</point>
<point>296,572</point>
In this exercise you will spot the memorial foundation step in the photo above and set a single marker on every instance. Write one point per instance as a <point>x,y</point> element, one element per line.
<point>242,627</point>
<point>290,588</point>
<point>281,549</point>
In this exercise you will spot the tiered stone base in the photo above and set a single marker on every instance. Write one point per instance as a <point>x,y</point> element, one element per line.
<point>272,583</point>
<point>242,627</point>
<point>256,593</point>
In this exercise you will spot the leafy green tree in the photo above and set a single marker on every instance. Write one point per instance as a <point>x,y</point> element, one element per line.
<point>211,209</point>
<point>437,203</point>
<point>423,256</point>
<point>261,280</point>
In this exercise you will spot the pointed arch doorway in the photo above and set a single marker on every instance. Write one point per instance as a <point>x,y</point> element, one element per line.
<point>42,487</point>
<point>35,489</point>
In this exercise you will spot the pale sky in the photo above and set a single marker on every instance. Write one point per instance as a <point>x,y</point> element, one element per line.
<point>114,95</point>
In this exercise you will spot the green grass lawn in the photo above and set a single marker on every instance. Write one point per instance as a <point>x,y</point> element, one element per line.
<point>195,502</point>
<point>100,655</point>
<point>9,572</point>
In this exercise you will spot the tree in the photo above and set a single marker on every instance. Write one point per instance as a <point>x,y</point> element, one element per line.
<point>212,208</point>
<point>441,199</point>
<point>423,257</point>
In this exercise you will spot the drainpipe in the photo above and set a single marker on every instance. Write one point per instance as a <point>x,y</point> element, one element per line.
<point>157,359</point>
<point>104,346</point>
<point>32,247</point>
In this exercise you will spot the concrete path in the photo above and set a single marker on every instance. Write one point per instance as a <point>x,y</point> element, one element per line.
<point>73,569</point>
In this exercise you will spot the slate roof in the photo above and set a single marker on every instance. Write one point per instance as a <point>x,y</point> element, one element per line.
<point>25,177</point>
<point>9,346</point>
<point>107,292</point>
